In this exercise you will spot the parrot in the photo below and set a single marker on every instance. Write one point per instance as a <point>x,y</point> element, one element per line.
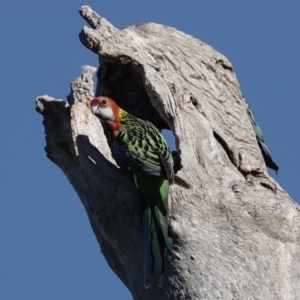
<point>260,140</point>
<point>139,145</point>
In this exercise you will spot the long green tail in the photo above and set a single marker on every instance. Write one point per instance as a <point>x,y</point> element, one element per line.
<point>260,139</point>
<point>154,193</point>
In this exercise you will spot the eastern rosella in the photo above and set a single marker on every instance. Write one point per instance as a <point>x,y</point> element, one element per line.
<point>261,142</point>
<point>140,146</point>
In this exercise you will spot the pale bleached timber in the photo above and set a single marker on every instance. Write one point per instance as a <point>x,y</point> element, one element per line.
<point>236,231</point>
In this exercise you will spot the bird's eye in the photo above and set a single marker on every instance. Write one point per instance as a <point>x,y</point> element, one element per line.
<point>103,101</point>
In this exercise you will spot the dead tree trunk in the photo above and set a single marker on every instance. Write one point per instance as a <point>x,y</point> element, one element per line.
<point>236,231</point>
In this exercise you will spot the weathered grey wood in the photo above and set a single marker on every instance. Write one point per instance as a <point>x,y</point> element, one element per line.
<point>236,232</point>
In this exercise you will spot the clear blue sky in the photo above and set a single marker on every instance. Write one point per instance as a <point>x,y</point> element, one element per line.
<point>48,250</point>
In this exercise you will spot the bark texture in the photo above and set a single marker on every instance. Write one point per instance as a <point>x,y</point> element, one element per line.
<point>236,231</point>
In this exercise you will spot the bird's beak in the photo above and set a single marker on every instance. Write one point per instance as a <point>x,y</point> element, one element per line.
<point>94,109</point>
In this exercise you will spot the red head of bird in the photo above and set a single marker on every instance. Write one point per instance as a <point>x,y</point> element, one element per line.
<point>105,109</point>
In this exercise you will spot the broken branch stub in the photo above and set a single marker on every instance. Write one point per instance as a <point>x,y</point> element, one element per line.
<point>236,231</point>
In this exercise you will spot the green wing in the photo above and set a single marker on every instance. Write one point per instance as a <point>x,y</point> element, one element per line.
<point>141,146</point>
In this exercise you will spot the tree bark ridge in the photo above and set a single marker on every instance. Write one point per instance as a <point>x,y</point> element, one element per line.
<point>236,231</point>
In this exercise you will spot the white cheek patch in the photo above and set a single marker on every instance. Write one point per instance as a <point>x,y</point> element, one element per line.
<point>106,113</point>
